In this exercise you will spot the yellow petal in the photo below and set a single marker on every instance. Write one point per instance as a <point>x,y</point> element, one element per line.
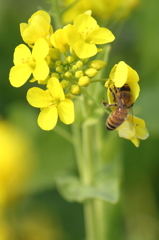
<point>71,39</point>
<point>121,73</point>
<point>47,118</point>
<point>66,111</point>
<point>125,131</point>
<point>132,75</point>
<point>38,97</point>
<point>55,88</point>
<point>41,70</point>
<point>141,130</point>
<point>112,72</point>
<point>84,50</point>
<point>19,75</point>
<point>21,54</point>
<point>31,34</point>
<point>40,49</point>
<point>101,36</point>
<point>41,17</point>
<point>84,22</point>
<point>136,142</point>
<point>23,27</point>
<point>135,89</point>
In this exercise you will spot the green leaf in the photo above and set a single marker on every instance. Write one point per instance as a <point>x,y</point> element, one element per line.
<point>72,189</point>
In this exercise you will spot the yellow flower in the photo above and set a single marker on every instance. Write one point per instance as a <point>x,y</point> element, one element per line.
<point>102,9</point>
<point>38,27</point>
<point>120,75</point>
<point>58,40</point>
<point>15,167</point>
<point>52,103</point>
<point>133,129</point>
<point>27,63</point>
<point>84,34</point>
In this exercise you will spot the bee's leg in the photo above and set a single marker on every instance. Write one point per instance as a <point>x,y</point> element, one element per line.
<point>113,93</point>
<point>107,105</point>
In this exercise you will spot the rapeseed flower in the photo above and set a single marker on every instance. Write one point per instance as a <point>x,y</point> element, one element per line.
<point>58,40</point>
<point>120,75</point>
<point>102,9</point>
<point>84,34</point>
<point>52,103</point>
<point>27,63</point>
<point>38,26</point>
<point>132,128</point>
<point>137,132</point>
<point>15,167</point>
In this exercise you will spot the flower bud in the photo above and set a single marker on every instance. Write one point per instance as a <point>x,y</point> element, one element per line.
<point>75,89</point>
<point>83,81</point>
<point>57,75</point>
<point>70,59</point>
<point>91,72</point>
<point>65,83</point>
<point>58,63</point>
<point>68,74</point>
<point>79,64</point>
<point>79,74</point>
<point>74,68</point>
<point>59,69</point>
<point>97,64</point>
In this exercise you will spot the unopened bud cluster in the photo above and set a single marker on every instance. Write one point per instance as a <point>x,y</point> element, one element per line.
<point>74,73</point>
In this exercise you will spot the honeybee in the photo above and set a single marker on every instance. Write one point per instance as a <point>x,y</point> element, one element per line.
<point>122,99</point>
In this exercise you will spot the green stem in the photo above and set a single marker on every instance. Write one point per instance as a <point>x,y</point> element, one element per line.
<point>86,157</point>
<point>56,13</point>
<point>99,80</point>
<point>63,133</point>
<point>87,175</point>
<point>99,215</point>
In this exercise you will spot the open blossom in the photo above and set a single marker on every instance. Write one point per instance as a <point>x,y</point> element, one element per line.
<point>84,34</point>
<point>52,103</point>
<point>58,40</point>
<point>132,128</point>
<point>38,26</point>
<point>136,133</point>
<point>27,63</point>
<point>120,75</point>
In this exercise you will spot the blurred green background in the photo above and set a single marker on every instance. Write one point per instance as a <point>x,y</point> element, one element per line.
<point>40,212</point>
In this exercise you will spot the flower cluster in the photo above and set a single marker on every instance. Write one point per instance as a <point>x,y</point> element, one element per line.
<point>59,61</point>
<point>132,128</point>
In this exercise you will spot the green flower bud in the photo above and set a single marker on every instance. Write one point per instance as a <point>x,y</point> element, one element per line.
<point>59,69</point>
<point>83,81</point>
<point>91,72</point>
<point>57,75</point>
<point>70,59</point>
<point>75,89</point>
<point>79,64</point>
<point>58,63</point>
<point>79,74</point>
<point>74,68</point>
<point>65,83</point>
<point>68,74</point>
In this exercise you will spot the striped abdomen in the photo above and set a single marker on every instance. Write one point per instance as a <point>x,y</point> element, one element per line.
<point>116,118</point>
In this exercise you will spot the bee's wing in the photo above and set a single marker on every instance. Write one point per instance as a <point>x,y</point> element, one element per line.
<point>130,118</point>
<point>127,130</point>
